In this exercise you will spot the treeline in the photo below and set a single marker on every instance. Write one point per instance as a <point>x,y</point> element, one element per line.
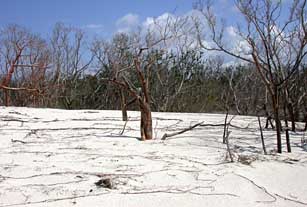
<point>167,67</point>
<point>69,72</point>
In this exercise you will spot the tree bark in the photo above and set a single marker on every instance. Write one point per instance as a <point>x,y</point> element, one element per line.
<point>6,81</point>
<point>305,129</point>
<point>123,105</point>
<point>268,118</point>
<point>146,121</point>
<point>262,138</point>
<point>287,130</point>
<point>292,116</point>
<point>225,127</point>
<point>277,120</point>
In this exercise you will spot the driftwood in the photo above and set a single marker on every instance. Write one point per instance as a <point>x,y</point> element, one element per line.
<point>20,141</point>
<point>182,131</point>
<point>226,125</point>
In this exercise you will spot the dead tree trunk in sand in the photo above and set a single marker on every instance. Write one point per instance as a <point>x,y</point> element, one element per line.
<point>305,128</point>
<point>146,121</point>
<point>268,118</point>
<point>287,130</point>
<point>123,103</point>
<point>142,97</point>
<point>144,103</point>
<point>292,116</point>
<point>225,127</point>
<point>267,56</point>
<point>262,138</point>
<point>277,119</point>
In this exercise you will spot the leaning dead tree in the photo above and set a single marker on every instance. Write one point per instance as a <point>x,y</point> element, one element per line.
<point>274,45</point>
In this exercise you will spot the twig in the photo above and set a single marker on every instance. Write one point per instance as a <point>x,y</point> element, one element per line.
<point>54,200</point>
<point>20,141</point>
<point>181,132</point>
<point>221,125</point>
<point>212,125</point>
<point>258,186</point>
<point>73,173</point>
<point>173,190</point>
<point>289,199</point>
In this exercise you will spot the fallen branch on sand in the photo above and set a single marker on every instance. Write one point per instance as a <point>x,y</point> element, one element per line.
<point>260,187</point>
<point>181,132</point>
<point>166,135</point>
<point>20,141</point>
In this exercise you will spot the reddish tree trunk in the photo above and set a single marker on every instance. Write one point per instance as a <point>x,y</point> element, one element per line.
<point>6,81</point>
<point>146,122</point>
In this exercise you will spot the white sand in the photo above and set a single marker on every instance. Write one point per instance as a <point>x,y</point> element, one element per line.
<point>52,157</point>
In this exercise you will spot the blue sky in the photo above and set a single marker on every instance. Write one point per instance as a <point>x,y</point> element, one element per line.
<point>96,16</point>
<point>101,17</point>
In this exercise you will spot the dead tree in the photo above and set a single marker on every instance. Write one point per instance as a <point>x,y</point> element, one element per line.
<point>276,47</point>
<point>225,128</point>
<point>116,56</point>
<point>135,75</point>
<point>26,57</point>
<point>67,49</point>
<point>287,129</point>
<point>6,81</point>
<point>141,95</point>
<point>262,138</point>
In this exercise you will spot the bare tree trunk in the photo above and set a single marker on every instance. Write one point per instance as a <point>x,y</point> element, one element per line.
<point>123,105</point>
<point>225,128</point>
<point>287,130</point>
<point>146,122</point>
<point>227,144</point>
<point>292,116</point>
<point>6,81</point>
<point>262,139</point>
<point>277,120</point>
<point>6,98</point>
<point>268,118</point>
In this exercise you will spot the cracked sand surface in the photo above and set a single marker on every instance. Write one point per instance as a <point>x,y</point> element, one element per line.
<point>53,157</point>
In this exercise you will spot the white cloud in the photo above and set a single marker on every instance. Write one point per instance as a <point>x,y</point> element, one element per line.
<point>94,26</point>
<point>232,31</point>
<point>128,23</point>
<point>182,32</point>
